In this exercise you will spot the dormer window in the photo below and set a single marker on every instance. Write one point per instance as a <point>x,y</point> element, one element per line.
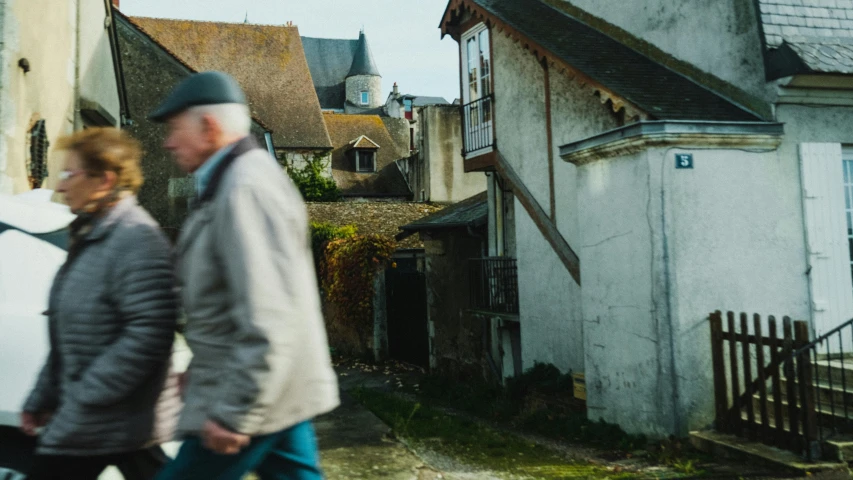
<point>365,97</point>
<point>363,153</point>
<point>365,161</point>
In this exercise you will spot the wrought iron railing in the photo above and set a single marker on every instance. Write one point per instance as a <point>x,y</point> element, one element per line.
<point>829,404</point>
<point>494,284</point>
<point>477,132</point>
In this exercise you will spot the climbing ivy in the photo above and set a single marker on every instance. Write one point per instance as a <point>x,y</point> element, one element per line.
<point>312,184</point>
<point>350,266</point>
<point>321,234</point>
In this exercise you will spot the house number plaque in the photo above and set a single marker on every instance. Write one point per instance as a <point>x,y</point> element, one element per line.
<point>683,160</point>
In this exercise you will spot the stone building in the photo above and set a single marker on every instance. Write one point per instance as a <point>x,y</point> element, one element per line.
<point>167,189</point>
<point>59,72</point>
<point>363,158</point>
<point>345,75</point>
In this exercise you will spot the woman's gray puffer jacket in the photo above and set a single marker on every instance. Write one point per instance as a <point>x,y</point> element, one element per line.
<point>112,322</point>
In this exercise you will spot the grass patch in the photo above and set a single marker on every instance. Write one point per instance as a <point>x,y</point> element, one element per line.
<point>472,443</point>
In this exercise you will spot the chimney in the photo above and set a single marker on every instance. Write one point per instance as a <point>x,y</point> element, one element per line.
<point>115,3</point>
<point>396,90</point>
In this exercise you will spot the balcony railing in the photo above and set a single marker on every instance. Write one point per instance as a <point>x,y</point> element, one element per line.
<point>494,284</point>
<point>477,132</point>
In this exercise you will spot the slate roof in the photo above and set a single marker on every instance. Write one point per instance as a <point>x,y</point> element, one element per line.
<point>387,180</point>
<point>420,101</point>
<point>380,218</point>
<point>331,61</point>
<point>807,36</point>
<point>362,61</point>
<point>658,91</point>
<point>267,61</point>
<point>471,212</point>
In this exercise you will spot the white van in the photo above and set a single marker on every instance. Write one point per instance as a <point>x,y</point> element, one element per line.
<point>33,244</point>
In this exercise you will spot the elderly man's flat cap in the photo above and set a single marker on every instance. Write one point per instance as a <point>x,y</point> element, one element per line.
<point>205,88</point>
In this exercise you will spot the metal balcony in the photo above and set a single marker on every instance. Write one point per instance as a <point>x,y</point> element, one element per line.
<point>477,131</point>
<point>494,284</point>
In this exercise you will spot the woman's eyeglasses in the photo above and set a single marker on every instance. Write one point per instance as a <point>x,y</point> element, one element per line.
<point>68,174</point>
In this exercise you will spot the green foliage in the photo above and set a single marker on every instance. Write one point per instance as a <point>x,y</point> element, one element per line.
<point>312,184</point>
<point>350,265</point>
<point>323,233</point>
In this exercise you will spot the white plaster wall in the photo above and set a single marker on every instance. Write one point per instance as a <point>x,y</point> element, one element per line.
<point>576,113</point>
<point>627,360</point>
<point>43,32</point>
<point>520,114</point>
<point>719,37</point>
<point>734,235</point>
<point>442,152</point>
<point>549,302</point>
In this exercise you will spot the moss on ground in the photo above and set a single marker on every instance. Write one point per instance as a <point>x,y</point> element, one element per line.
<point>474,444</point>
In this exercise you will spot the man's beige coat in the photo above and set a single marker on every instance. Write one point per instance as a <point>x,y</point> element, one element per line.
<point>260,355</point>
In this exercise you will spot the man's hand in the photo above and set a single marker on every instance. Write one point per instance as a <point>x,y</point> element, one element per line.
<point>221,440</point>
<point>31,421</point>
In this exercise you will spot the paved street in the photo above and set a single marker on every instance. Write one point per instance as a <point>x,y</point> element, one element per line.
<point>355,444</point>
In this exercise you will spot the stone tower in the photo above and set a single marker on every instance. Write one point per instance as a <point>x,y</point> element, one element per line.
<point>363,82</point>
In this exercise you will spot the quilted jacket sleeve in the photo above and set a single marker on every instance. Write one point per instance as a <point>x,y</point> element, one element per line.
<point>45,394</point>
<point>146,304</point>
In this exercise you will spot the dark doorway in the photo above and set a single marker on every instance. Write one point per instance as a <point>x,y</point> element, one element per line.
<point>405,289</point>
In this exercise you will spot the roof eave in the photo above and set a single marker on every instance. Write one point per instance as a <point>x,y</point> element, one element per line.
<point>648,134</point>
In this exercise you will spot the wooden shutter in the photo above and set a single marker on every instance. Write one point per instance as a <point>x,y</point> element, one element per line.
<point>830,282</point>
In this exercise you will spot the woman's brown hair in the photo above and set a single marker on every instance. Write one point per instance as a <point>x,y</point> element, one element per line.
<point>106,149</point>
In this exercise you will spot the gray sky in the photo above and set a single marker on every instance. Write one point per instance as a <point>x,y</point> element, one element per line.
<point>403,34</point>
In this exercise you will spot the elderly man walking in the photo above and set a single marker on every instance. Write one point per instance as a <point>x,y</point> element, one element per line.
<point>261,368</point>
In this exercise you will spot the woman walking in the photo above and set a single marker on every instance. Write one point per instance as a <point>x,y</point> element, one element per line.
<point>111,319</point>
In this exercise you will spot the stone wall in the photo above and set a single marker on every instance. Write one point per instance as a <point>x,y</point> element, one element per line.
<point>456,336</point>
<point>359,83</point>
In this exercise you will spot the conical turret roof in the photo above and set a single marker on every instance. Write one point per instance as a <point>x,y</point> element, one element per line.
<point>362,62</point>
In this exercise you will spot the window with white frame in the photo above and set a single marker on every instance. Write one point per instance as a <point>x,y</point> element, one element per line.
<point>477,100</point>
<point>365,97</point>
<point>365,161</point>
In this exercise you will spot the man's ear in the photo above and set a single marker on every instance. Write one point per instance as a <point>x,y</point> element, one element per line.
<point>210,127</point>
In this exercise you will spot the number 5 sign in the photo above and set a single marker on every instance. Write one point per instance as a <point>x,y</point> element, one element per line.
<point>683,160</point>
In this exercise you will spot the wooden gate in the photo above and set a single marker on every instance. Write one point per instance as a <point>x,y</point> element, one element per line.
<point>405,289</point>
<point>762,391</point>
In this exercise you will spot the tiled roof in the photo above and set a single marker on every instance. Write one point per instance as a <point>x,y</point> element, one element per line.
<point>471,212</point>
<point>381,218</point>
<point>818,32</point>
<point>610,66</point>
<point>387,180</point>
<point>329,61</point>
<point>127,21</point>
<point>267,61</point>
